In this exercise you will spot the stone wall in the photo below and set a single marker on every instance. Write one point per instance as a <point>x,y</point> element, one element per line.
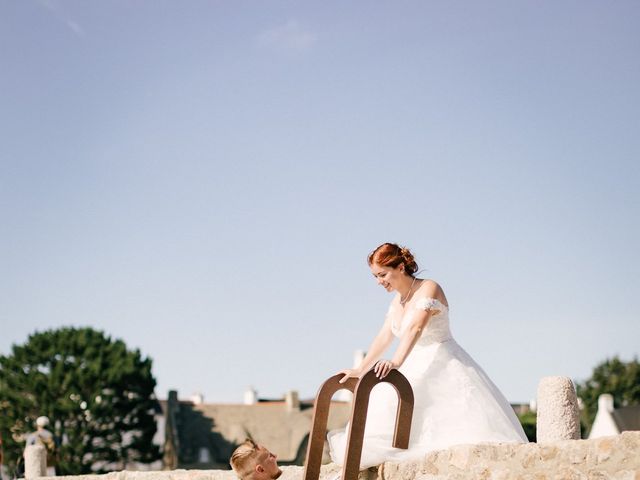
<point>616,458</point>
<point>609,457</point>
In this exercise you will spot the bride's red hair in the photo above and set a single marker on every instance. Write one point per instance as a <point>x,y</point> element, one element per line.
<point>392,255</point>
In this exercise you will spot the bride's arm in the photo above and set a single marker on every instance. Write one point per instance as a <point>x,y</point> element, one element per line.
<point>377,348</point>
<point>407,342</point>
<point>380,343</point>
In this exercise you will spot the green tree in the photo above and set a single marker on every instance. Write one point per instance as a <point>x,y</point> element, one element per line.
<point>620,379</point>
<point>97,394</point>
<point>528,421</point>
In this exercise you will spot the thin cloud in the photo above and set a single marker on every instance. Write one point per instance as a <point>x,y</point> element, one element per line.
<point>75,28</point>
<point>290,37</point>
<point>55,9</point>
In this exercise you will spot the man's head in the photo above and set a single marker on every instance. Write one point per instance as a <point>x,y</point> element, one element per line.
<point>251,461</point>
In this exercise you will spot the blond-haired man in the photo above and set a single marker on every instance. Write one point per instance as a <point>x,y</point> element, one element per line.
<point>251,461</point>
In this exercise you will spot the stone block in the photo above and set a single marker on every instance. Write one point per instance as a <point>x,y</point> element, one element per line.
<point>604,447</point>
<point>460,456</point>
<point>548,452</point>
<point>429,469</point>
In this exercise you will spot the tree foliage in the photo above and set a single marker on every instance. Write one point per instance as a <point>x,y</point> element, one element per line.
<point>97,394</point>
<point>528,420</point>
<point>620,379</point>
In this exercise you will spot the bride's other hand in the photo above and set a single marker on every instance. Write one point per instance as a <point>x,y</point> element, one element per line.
<point>348,373</point>
<point>383,367</point>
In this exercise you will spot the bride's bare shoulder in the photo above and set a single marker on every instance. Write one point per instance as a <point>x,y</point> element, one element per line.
<point>430,287</point>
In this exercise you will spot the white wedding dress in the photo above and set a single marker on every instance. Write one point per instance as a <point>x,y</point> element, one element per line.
<point>455,401</point>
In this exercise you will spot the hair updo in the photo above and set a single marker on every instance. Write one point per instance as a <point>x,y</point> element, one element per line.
<point>392,255</point>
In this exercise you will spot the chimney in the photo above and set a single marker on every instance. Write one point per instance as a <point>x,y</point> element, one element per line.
<point>250,396</point>
<point>605,402</point>
<point>292,401</point>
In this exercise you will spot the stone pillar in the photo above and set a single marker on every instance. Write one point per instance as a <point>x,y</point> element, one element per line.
<point>35,461</point>
<point>558,416</point>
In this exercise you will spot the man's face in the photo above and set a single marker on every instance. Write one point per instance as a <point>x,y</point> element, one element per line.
<point>269,463</point>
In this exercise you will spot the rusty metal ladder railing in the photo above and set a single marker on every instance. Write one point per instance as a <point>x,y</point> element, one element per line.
<point>361,390</point>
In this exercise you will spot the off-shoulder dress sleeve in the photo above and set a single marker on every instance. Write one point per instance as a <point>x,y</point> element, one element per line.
<point>427,303</point>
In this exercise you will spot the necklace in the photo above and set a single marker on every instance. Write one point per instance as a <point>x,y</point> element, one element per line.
<point>402,302</point>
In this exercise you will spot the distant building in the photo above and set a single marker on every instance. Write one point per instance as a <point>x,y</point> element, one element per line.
<point>613,421</point>
<point>202,435</point>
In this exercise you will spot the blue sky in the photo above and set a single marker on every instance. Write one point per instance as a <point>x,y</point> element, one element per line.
<point>205,179</point>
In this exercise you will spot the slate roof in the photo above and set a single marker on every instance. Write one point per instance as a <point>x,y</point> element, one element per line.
<point>627,418</point>
<point>219,428</point>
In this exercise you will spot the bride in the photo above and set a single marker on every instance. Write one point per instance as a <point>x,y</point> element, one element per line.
<point>455,401</point>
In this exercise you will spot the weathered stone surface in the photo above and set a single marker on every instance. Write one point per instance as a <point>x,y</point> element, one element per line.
<point>611,458</point>
<point>35,461</point>
<point>558,416</point>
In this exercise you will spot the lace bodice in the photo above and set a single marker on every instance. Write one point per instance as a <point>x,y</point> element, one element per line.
<point>437,327</point>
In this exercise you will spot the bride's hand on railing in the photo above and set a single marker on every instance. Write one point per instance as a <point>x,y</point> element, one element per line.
<point>349,373</point>
<point>383,367</point>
